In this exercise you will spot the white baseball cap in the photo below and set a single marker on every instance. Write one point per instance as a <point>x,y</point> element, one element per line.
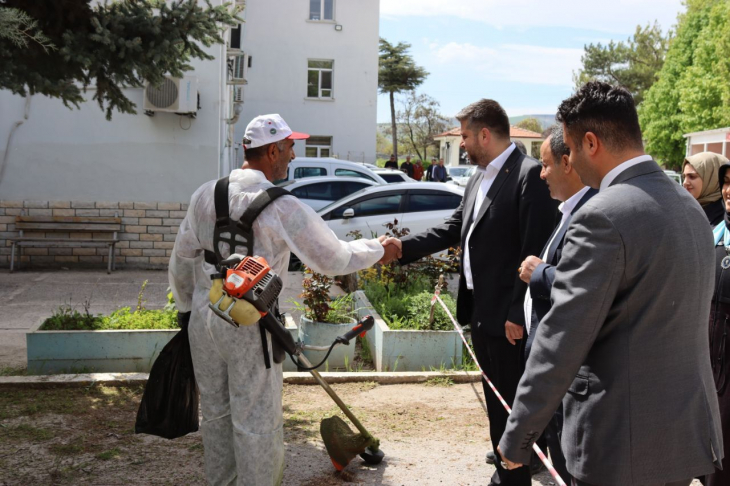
<point>266,129</point>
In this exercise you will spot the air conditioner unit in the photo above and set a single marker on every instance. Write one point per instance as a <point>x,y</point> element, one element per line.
<point>238,94</point>
<point>175,95</point>
<point>237,69</point>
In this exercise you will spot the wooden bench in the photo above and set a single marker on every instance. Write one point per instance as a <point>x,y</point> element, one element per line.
<point>50,226</point>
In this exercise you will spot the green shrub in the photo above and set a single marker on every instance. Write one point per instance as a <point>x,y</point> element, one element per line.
<point>68,318</point>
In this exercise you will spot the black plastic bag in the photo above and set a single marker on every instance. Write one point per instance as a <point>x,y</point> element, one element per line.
<point>169,405</point>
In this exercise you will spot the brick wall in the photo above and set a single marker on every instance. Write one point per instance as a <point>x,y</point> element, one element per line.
<point>148,234</point>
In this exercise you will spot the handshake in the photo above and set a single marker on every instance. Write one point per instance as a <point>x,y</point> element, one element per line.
<point>392,249</point>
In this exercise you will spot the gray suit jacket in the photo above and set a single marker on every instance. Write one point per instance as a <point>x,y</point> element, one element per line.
<point>627,339</point>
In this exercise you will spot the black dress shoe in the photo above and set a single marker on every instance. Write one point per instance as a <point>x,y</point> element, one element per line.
<point>491,458</point>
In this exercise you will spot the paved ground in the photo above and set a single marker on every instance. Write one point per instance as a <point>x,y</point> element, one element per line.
<point>28,297</point>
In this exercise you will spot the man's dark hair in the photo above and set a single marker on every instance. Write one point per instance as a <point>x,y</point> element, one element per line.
<point>486,114</point>
<point>558,148</point>
<point>607,111</point>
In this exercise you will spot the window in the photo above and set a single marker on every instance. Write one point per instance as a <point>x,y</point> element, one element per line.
<point>391,178</point>
<point>432,202</point>
<point>319,79</point>
<point>352,173</point>
<point>321,9</point>
<point>302,172</point>
<point>323,191</point>
<point>235,42</point>
<point>389,204</point>
<point>535,152</point>
<point>318,147</point>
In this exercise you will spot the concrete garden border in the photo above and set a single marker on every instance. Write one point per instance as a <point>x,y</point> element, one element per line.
<point>407,350</point>
<point>124,351</point>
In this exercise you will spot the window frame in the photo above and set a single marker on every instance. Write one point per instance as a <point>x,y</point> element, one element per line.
<point>322,12</point>
<point>319,72</point>
<point>318,147</point>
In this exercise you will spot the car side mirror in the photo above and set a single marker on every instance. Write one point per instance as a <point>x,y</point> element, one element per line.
<point>348,213</point>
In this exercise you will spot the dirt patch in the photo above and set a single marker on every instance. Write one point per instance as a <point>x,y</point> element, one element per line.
<point>431,434</point>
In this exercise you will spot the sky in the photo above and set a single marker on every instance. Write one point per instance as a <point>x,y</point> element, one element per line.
<point>521,53</point>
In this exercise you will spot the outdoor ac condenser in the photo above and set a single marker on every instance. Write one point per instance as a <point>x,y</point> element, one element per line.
<point>175,95</point>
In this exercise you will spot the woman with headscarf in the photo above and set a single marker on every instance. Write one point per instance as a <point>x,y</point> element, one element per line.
<point>700,179</point>
<point>720,325</point>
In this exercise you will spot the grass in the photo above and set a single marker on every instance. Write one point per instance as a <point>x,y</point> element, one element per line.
<point>13,371</point>
<point>107,455</point>
<point>66,449</point>
<point>26,432</point>
<point>440,381</point>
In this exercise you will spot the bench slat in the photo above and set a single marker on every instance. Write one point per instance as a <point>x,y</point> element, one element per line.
<point>63,240</point>
<point>91,228</point>
<point>68,219</point>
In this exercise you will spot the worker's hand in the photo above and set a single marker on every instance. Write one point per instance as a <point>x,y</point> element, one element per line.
<point>513,331</point>
<point>506,463</point>
<point>392,250</point>
<point>527,267</point>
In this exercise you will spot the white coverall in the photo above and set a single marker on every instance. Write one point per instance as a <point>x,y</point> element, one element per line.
<point>240,399</point>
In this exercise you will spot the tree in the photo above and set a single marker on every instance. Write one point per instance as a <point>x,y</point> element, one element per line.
<point>382,144</point>
<point>632,64</point>
<point>532,124</point>
<point>420,120</point>
<point>397,73</point>
<point>19,29</point>
<point>110,46</point>
<point>691,93</point>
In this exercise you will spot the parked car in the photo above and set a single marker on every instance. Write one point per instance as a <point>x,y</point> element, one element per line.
<point>674,175</point>
<point>392,175</point>
<point>416,205</point>
<point>461,174</point>
<point>318,192</point>
<point>303,167</point>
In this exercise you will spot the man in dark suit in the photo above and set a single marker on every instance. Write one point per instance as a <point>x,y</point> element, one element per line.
<point>506,215</point>
<point>626,336</point>
<point>539,271</point>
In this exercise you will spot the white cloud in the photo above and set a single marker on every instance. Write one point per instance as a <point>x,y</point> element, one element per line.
<point>513,62</point>
<point>617,16</point>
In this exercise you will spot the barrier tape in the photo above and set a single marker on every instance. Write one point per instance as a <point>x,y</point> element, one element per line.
<point>535,447</point>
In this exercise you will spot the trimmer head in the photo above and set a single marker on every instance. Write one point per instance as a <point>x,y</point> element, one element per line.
<point>343,444</point>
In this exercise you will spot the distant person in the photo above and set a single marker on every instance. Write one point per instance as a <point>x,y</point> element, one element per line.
<point>429,170</point>
<point>439,172</point>
<point>700,174</point>
<point>392,163</point>
<point>520,146</point>
<point>407,167</point>
<point>418,171</point>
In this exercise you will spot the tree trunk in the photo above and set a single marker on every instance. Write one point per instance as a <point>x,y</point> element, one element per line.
<point>393,125</point>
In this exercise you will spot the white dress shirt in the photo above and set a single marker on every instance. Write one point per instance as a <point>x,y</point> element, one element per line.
<point>488,175</point>
<point>608,178</point>
<point>566,208</point>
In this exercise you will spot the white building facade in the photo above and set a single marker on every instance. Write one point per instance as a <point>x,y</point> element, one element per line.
<point>717,141</point>
<point>65,162</point>
<point>315,62</point>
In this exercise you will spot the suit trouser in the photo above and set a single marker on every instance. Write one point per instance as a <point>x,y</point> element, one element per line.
<point>503,363</point>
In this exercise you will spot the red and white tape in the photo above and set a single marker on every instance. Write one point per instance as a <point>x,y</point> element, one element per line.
<point>535,447</point>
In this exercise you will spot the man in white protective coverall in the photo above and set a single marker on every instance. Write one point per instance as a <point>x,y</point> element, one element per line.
<point>240,398</point>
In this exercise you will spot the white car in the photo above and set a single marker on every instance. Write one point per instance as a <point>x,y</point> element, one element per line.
<point>461,174</point>
<point>417,206</point>
<point>392,175</point>
<point>302,167</point>
<point>318,192</point>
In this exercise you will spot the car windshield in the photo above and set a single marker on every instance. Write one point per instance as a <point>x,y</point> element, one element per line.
<point>461,171</point>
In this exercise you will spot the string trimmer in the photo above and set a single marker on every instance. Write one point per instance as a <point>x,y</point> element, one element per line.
<point>244,293</point>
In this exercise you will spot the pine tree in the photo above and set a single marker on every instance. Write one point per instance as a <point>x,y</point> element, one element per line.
<point>110,46</point>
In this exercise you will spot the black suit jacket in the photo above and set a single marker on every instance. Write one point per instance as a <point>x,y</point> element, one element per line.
<point>541,282</point>
<point>514,221</point>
